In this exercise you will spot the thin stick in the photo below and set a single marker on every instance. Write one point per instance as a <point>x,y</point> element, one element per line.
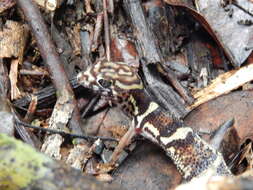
<point>107,34</point>
<point>53,131</point>
<point>242,8</point>
<point>124,141</point>
<point>50,57</point>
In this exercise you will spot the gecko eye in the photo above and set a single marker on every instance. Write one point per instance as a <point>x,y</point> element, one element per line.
<point>104,83</point>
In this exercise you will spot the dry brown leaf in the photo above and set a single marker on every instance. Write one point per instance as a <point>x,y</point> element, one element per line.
<point>223,27</point>
<point>227,29</point>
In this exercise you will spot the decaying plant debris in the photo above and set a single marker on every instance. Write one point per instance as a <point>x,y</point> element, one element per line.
<point>185,57</point>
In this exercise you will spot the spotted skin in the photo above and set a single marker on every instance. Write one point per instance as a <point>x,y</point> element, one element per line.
<point>192,156</point>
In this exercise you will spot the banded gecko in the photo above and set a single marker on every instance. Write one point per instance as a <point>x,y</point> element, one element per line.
<point>121,83</point>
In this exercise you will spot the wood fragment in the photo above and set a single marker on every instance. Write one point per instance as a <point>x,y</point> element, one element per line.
<point>223,84</point>
<point>97,31</point>
<point>15,93</point>
<point>88,6</point>
<point>74,35</point>
<point>12,40</point>
<point>50,5</point>
<point>107,31</point>
<point>78,156</point>
<point>63,110</point>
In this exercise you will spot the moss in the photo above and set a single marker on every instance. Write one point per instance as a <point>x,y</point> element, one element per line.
<point>20,164</point>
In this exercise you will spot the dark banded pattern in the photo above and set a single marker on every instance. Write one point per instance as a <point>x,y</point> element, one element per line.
<point>121,76</point>
<point>192,155</point>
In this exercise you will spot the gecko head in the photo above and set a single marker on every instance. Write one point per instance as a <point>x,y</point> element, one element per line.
<point>111,79</point>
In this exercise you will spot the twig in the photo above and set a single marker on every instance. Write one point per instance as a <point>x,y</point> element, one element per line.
<point>90,105</point>
<point>107,34</point>
<point>176,84</point>
<point>97,31</point>
<point>242,8</point>
<point>53,131</point>
<point>50,57</point>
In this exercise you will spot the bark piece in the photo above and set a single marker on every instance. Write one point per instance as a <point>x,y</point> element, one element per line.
<point>78,156</point>
<point>13,40</point>
<point>15,93</point>
<point>59,119</point>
